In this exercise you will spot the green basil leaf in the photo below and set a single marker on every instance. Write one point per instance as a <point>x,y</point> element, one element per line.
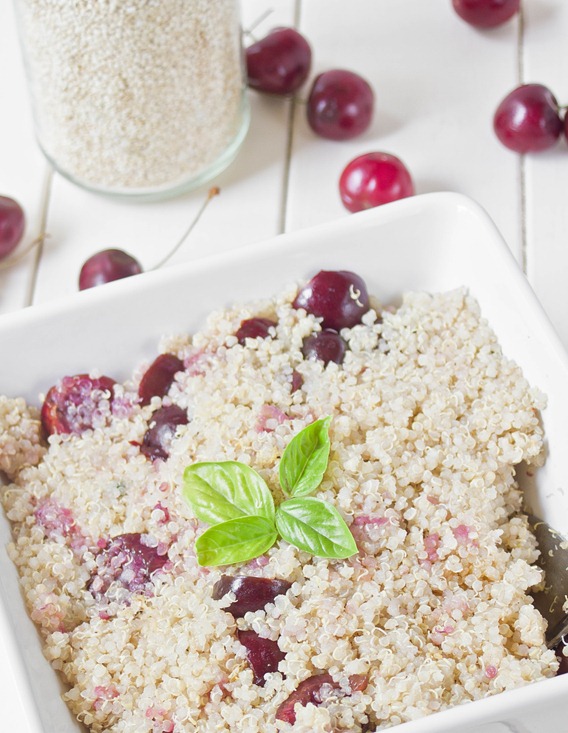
<point>218,492</point>
<point>305,459</point>
<point>237,540</point>
<point>315,526</point>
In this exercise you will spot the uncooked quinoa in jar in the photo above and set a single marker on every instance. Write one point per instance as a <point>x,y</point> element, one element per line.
<point>138,96</point>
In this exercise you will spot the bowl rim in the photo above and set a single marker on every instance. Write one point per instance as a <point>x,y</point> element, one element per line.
<point>486,709</point>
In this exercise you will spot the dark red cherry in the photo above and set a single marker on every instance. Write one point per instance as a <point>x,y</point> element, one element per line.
<point>251,594</point>
<point>12,225</point>
<point>528,119</point>
<point>127,561</point>
<point>279,63</point>
<point>325,346</point>
<point>106,266</point>
<point>486,13</point>
<point>75,403</point>
<point>161,431</point>
<point>253,328</point>
<point>338,297</point>
<point>158,378</point>
<point>340,105</point>
<point>374,179</point>
<point>263,655</point>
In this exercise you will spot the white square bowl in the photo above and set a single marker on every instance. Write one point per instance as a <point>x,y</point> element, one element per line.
<point>434,242</point>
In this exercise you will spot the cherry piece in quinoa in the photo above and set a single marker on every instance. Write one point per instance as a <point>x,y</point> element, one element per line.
<point>127,561</point>
<point>74,404</point>
<point>338,297</point>
<point>161,431</point>
<point>297,381</point>
<point>251,594</point>
<point>158,378</point>
<point>310,690</point>
<point>59,524</point>
<point>325,346</point>
<point>53,518</point>
<point>358,682</point>
<point>254,328</point>
<point>263,655</point>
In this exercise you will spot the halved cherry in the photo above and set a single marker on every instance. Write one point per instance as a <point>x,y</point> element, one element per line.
<point>158,378</point>
<point>263,655</point>
<point>251,594</point>
<point>75,403</point>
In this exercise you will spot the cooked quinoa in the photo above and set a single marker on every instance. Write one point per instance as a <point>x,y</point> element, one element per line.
<point>429,420</point>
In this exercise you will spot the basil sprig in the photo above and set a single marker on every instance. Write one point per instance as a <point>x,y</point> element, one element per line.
<point>305,459</point>
<point>236,501</point>
<point>315,526</point>
<point>244,538</point>
<point>227,490</point>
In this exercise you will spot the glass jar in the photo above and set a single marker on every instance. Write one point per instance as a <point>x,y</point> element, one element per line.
<point>136,97</point>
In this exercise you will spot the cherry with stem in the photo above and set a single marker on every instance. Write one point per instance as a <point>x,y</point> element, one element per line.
<point>115,264</point>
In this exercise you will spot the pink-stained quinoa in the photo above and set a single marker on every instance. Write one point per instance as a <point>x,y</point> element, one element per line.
<point>429,420</point>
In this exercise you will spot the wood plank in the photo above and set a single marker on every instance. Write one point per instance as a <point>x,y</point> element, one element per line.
<point>545,62</point>
<point>22,166</point>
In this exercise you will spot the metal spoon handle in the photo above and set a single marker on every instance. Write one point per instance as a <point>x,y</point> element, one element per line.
<point>554,561</point>
<point>555,634</point>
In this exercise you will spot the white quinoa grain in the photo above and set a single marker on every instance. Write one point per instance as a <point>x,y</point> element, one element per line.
<point>20,437</point>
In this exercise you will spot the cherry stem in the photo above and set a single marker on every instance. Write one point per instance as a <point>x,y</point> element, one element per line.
<point>248,31</point>
<point>19,256</point>
<point>214,191</point>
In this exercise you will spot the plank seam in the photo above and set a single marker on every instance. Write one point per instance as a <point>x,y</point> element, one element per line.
<point>290,123</point>
<point>522,157</point>
<point>44,208</point>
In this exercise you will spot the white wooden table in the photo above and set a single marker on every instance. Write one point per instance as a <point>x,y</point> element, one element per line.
<point>437,83</point>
